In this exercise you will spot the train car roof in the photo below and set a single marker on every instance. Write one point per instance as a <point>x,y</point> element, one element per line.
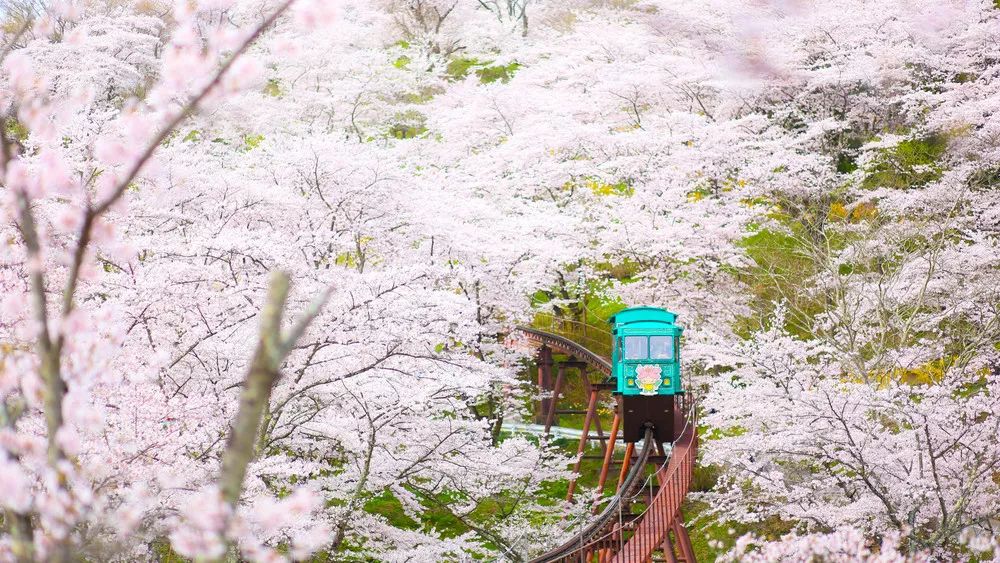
<point>642,314</point>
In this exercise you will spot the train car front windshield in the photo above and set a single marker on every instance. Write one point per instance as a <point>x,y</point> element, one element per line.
<point>636,348</point>
<point>661,347</point>
<point>649,348</point>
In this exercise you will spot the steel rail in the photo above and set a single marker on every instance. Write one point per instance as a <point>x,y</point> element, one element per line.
<point>597,533</point>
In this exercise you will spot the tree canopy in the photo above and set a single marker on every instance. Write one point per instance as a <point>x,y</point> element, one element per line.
<point>259,260</point>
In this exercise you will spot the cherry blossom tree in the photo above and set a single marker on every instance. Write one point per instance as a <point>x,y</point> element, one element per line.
<point>809,184</point>
<point>865,396</point>
<point>62,194</point>
<point>182,248</point>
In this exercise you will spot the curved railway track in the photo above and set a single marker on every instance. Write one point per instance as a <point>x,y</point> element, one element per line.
<point>568,347</point>
<point>600,533</point>
<point>616,534</point>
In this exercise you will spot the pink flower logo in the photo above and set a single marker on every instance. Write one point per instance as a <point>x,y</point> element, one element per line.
<point>648,378</point>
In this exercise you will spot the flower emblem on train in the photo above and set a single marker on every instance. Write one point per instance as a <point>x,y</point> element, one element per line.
<point>648,378</point>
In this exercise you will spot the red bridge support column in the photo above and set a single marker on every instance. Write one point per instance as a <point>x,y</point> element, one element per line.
<point>543,405</point>
<point>585,437</point>
<point>683,540</point>
<point>551,417</point>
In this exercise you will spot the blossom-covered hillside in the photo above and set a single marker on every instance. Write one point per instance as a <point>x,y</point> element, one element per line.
<point>259,260</point>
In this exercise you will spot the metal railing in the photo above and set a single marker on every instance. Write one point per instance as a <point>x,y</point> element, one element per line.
<point>650,527</point>
<point>605,527</point>
<point>595,339</point>
<point>674,480</point>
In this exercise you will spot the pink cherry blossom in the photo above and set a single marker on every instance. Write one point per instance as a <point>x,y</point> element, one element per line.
<point>15,487</point>
<point>809,185</point>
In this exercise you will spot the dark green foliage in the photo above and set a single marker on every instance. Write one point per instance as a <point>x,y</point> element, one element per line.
<point>493,73</point>
<point>437,515</point>
<point>459,67</point>
<point>408,125</point>
<point>704,478</point>
<point>391,509</point>
<point>849,145</point>
<point>984,180</point>
<point>846,163</point>
<point>910,164</point>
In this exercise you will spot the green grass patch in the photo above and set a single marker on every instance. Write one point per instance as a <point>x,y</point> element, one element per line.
<point>389,507</point>
<point>460,67</point>
<point>503,73</point>
<point>421,96</point>
<point>250,142</point>
<point>15,129</point>
<point>408,124</point>
<point>780,264</point>
<point>164,553</point>
<point>712,537</point>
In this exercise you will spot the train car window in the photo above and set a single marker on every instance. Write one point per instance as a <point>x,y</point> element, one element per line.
<point>661,347</point>
<point>635,348</point>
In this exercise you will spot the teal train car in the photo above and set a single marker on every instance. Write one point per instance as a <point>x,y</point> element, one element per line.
<point>646,352</point>
<point>646,363</point>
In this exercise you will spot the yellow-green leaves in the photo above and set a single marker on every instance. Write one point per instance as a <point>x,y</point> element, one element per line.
<point>273,88</point>
<point>460,67</point>
<point>622,187</point>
